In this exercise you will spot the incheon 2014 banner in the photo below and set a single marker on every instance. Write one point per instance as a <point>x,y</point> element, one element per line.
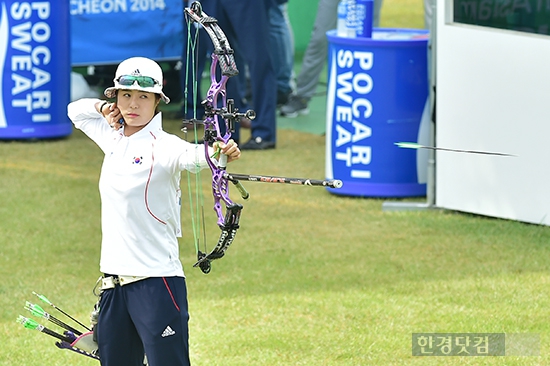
<point>109,31</point>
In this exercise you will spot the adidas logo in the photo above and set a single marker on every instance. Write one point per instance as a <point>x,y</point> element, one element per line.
<point>167,332</point>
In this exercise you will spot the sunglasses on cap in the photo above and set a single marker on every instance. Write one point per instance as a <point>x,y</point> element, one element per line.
<point>143,81</point>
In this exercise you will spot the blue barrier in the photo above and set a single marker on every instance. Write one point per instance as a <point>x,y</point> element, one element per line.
<point>109,31</point>
<point>35,69</point>
<point>377,91</point>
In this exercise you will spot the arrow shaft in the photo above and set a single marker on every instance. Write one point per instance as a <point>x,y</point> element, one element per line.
<point>415,145</point>
<point>44,299</point>
<point>56,335</point>
<point>64,325</point>
<point>465,151</point>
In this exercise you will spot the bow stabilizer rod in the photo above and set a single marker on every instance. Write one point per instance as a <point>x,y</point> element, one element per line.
<point>331,183</point>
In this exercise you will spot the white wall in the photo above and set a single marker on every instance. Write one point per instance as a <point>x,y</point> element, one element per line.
<point>493,94</point>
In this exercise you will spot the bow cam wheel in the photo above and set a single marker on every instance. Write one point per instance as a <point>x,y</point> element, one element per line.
<point>205,266</point>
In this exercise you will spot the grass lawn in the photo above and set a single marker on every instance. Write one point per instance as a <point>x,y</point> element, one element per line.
<point>311,279</point>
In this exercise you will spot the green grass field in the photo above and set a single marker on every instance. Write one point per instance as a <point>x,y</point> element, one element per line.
<point>311,279</point>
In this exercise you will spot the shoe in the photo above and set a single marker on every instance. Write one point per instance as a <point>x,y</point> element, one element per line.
<point>257,144</point>
<point>295,106</point>
<point>283,97</point>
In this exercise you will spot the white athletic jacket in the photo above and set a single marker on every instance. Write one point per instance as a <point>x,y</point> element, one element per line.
<point>140,193</point>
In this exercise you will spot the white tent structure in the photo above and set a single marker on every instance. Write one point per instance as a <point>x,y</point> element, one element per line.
<point>492,94</point>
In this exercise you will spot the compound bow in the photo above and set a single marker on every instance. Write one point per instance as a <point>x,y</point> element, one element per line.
<point>219,108</point>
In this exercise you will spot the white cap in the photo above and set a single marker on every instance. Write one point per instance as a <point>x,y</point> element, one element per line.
<point>138,66</point>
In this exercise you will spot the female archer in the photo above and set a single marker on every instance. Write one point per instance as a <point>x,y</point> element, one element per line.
<point>143,306</point>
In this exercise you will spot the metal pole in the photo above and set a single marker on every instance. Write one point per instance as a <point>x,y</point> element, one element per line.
<point>430,183</point>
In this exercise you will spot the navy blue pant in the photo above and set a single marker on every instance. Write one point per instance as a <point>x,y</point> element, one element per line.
<point>246,24</point>
<point>145,317</point>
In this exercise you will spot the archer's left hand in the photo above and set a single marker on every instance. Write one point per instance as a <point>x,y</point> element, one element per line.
<point>231,149</point>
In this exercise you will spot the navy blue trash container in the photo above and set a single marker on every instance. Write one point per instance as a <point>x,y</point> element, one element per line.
<point>35,69</point>
<point>377,91</point>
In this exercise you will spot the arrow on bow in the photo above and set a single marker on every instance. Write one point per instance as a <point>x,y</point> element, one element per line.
<point>414,145</point>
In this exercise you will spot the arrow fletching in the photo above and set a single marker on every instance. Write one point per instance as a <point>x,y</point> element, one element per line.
<point>409,145</point>
<point>43,298</point>
<point>36,310</point>
<point>33,325</point>
<point>29,323</point>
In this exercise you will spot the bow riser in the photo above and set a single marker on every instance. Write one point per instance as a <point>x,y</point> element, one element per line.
<point>212,101</point>
<point>220,190</point>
